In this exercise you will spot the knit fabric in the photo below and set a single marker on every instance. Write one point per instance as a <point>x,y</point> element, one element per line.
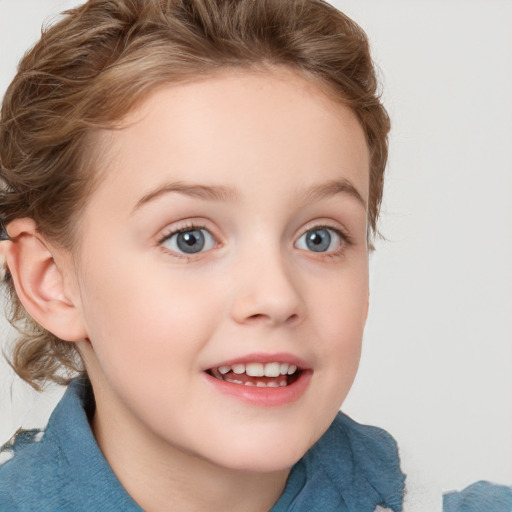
<point>352,468</point>
<point>479,497</point>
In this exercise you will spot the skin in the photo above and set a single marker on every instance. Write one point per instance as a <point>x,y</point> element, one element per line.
<point>156,319</point>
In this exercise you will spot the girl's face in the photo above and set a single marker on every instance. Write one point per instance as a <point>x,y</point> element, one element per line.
<point>227,239</point>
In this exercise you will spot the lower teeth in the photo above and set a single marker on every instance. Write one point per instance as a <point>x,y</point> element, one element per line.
<point>265,382</point>
<point>260,384</point>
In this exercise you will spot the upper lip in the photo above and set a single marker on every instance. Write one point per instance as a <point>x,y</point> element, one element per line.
<point>280,357</point>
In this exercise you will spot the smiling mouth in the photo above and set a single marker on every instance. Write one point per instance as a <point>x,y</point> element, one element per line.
<point>269,375</point>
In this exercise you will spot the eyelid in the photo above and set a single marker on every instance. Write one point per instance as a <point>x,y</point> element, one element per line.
<point>169,231</point>
<point>325,224</point>
<point>187,225</point>
<point>342,233</point>
<point>190,225</point>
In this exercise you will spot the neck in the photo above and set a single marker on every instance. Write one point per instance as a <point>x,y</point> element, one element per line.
<point>157,475</point>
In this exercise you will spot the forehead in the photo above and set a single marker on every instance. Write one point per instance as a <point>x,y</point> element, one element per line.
<point>236,125</point>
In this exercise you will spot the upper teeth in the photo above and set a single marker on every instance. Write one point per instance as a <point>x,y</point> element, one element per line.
<point>259,369</point>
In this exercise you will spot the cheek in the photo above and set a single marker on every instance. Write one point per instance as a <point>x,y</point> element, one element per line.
<point>342,305</point>
<point>338,313</point>
<point>340,309</point>
<point>137,319</point>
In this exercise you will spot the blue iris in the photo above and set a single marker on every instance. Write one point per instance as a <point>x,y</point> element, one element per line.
<point>318,240</point>
<point>190,242</point>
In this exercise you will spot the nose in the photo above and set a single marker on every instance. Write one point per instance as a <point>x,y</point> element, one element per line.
<point>267,292</point>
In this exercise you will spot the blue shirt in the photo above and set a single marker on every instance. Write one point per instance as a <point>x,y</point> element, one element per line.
<point>352,468</point>
<point>479,497</point>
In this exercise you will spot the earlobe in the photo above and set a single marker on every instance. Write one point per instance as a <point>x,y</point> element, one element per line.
<point>40,283</point>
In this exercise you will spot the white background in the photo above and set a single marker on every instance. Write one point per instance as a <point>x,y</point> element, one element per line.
<point>437,359</point>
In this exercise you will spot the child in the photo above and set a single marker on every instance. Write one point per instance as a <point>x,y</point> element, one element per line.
<point>190,191</point>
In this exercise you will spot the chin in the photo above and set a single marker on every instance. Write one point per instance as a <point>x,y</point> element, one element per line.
<point>264,457</point>
<point>269,463</point>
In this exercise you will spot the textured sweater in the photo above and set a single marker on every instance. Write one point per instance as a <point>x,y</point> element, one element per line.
<point>352,468</point>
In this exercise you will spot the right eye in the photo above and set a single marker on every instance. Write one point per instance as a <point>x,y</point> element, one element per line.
<point>189,241</point>
<point>321,239</point>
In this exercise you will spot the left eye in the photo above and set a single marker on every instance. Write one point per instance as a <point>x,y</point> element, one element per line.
<point>319,240</point>
<point>190,241</point>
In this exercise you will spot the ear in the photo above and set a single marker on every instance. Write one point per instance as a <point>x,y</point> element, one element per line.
<point>40,281</point>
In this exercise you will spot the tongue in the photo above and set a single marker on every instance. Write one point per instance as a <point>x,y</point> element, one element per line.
<point>243,378</point>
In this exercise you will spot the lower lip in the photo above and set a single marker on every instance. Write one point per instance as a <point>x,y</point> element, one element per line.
<point>264,397</point>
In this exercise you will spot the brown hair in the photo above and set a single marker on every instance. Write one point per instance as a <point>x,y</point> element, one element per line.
<point>90,69</point>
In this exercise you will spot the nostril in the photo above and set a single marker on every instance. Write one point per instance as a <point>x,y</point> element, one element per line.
<point>257,316</point>
<point>260,317</point>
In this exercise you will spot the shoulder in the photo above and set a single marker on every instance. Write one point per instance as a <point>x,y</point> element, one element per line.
<point>367,438</point>
<point>62,468</point>
<point>373,449</point>
<point>27,463</point>
<point>6,502</point>
<point>376,457</point>
<point>18,451</point>
<point>36,471</point>
<point>480,496</point>
<point>361,464</point>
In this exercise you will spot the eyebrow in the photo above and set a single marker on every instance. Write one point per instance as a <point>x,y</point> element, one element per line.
<point>208,192</point>
<point>332,188</point>
<point>223,193</point>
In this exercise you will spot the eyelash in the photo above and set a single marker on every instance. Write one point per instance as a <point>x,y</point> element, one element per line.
<point>172,232</point>
<point>345,239</point>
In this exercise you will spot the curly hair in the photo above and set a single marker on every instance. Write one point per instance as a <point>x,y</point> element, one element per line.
<point>92,67</point>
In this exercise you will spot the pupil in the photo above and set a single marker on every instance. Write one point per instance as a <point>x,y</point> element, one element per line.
<point>191,241</point>
<point>318,240</point>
